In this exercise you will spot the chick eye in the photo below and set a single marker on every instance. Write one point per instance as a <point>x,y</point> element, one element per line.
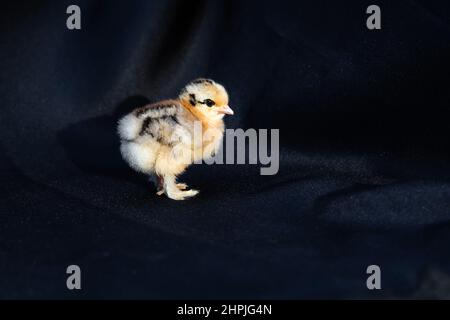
<point>209,102</point>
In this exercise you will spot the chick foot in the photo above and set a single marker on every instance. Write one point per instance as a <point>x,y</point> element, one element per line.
<point>181,195</point>
<point>176,191</point>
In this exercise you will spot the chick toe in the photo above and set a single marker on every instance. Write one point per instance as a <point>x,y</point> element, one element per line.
<point>182,186</point>
<point>190,193</point>
<point>181,195</point>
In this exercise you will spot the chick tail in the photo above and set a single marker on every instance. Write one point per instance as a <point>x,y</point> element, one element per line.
<point>129,127</point>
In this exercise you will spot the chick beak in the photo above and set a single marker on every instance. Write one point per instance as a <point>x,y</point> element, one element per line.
<point>225,110</point>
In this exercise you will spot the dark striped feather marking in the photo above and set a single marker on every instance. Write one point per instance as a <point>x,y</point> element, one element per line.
<point>156,107</point>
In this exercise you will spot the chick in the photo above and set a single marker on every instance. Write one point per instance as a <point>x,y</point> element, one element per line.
<point>162,139</point>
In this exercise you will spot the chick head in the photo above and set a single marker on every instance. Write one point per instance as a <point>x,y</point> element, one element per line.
<point>207,98</point>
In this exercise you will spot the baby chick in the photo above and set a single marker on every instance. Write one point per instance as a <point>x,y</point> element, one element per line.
<point>163,139</point>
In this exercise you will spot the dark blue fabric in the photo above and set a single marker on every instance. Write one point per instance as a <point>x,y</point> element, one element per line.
<point>364,132</point>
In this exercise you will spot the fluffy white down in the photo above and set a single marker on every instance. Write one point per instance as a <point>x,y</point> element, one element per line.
<point>139,157</point>
<point>129,127</point>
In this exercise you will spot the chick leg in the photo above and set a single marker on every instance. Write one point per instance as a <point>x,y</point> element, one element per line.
<point>160,186</point>
<point>172,190</point>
